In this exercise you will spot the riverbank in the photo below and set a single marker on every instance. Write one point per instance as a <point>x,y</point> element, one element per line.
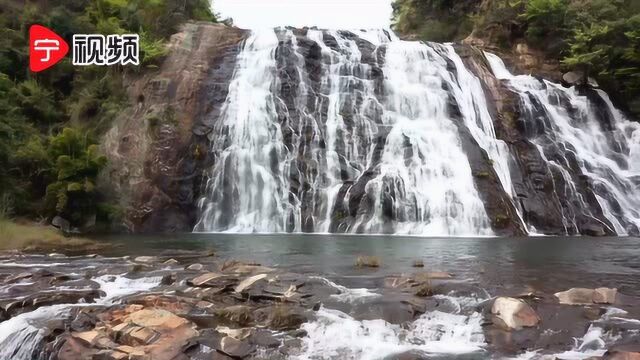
<point>28,236</point>
<point>194,304</point>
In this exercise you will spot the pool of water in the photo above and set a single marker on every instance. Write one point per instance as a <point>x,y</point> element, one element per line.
<point>547,264</point>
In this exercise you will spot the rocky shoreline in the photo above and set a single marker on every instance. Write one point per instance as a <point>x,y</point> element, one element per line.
<point>195,305</point>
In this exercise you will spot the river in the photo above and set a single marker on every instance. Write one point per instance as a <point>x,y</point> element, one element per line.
<point>358,312</point>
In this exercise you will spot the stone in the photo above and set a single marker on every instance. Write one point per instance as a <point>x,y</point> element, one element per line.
<point>195,267</point>
<point>575,296</point>
<point>368,261</point>
<point>623,352</point>
<point>133,352</point>
<point>168,279</point>
<point>432,275</point>
<point>593,313</point>
<point>110,355</point>
<point>515,313</point>
<point>57,255</point>
<point>141,336</point>
<point>156,318</point>
<point>234,347</point>
<point>146,259</point>
<point>203,279</point>
<point>239,334</point>
<point>605,295</point>
<point>171,262</point>
<point>286,317</point>
<point>239,314</point>
<point>264,338</point>
<point>251,269</point>
<point>82,322</point>
<point>61,223</point>
<point>248,282</point>
<point>88,338</point>
<point>583,296</point>
<point>573,78</point>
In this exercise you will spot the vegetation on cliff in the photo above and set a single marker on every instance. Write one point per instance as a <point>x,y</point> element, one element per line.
<point>51,121</point>
<point>599,38</point>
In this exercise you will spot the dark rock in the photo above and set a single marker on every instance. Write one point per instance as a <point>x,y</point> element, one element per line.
<point>286,317</point>
<point>61,223</point>
<point>265,339</point>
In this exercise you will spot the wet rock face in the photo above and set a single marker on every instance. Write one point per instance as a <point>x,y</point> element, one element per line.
<point>553,193</point>
<point>157,148</point>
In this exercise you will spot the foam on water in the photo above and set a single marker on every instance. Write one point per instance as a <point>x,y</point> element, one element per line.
<point>349,295</point>
<point>336,335</point>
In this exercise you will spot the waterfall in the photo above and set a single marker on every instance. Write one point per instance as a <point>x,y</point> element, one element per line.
<point>249,189</point>
<point>337,131</point>
<point>423,168</point>
<point>334,131</point>
<point>590,133</point>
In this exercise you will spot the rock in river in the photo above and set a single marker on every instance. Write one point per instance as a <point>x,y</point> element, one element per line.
<point>515,313</point>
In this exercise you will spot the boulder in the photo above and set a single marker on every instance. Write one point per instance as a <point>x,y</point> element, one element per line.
<point>573,78</point>
<point>515,313</point>
<point>63,224</point>
<point>577,78</point>
<point>234,347</point>
<point>583,296</point>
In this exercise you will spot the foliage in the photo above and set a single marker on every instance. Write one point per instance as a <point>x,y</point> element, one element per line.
<point>545,18</point>
<point>601,38</point>
<point>434,20</point>
<point>51,122</point>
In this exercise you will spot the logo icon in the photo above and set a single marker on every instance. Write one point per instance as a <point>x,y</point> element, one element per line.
<point>46,48</point>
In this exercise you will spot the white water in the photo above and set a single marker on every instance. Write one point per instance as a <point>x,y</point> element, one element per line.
<point>21,335</point>
<point>434,187</point>
<point>422,183</point>
<point>349,295</point>
<point>336,335</point>
<point>358,132</point>
<point>249,140</point>
<point>595,149</point>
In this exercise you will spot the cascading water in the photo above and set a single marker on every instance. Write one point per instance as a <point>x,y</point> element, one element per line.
<point>579,135</point>
<point>360,132</point>
<point>336,131</point>
<point>249,149</point>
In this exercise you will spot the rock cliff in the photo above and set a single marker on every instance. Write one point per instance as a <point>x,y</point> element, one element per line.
<point>156,148</point>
